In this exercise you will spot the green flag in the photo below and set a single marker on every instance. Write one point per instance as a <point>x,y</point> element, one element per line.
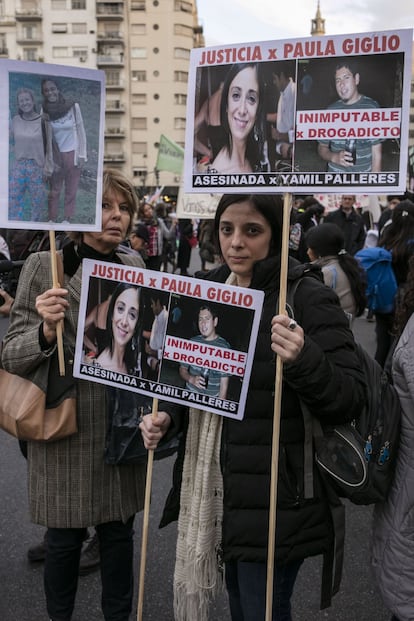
<point>170,156</point>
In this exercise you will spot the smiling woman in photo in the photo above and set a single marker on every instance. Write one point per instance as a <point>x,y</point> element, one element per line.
<point>122,329</point>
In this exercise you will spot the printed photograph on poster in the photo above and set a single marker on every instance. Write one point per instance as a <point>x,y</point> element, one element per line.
<point>52,172</point>
<point>314,113</point>
<point>167,336</point>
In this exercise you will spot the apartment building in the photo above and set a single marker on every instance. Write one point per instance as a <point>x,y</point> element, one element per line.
<point>143,46</point>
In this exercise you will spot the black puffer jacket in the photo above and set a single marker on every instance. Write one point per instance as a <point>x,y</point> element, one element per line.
<point>327,377</point>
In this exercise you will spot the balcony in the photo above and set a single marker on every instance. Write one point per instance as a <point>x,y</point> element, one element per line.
<point>111,37</point>
<point>23,39</point>
<point>106,10</point>
<point>114,132</point>
<point>7,20</point>
<point>113,60</point>
<point>115,86</point>
<point>114,157</point>
<point>115,106</point>
<point>30,15</point>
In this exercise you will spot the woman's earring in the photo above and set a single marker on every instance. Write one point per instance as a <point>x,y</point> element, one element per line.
<point>255,134</point>
<point>134,343</point>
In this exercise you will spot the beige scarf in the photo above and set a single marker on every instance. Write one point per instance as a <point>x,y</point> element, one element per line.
<point>198,577</point>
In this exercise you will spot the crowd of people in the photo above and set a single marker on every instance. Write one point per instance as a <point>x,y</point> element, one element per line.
<point>221,482</point>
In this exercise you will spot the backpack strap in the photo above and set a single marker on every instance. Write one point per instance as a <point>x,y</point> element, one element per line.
<point>333,559</point>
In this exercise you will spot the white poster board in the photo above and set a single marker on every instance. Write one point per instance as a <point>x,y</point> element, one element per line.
<point>51,160</point>
<point>277,115</point>
<point>201,327</point>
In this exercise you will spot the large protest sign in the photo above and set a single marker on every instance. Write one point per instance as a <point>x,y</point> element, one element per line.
<point>180,339</point>
<point>52,128</point>
<point>323,114</point>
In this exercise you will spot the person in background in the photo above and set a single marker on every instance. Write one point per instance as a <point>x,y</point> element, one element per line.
<point>32,165</point>
<point>139,240</point>
<point>283,121</point>
<point>185,240</point>
<point>223,498</point>
<point>398,238</point>
<point>69,133</point>
<point>70,486</point>
<point>155,337</point>
<point>169,246</point>
<point>392,541</point>
<point>242,119</point>
<point>340,270</point>
<point>206,244</point>
<point>386,216</point>
<point>367,153</point>
<point>350,222</point>
<point>157,233</point>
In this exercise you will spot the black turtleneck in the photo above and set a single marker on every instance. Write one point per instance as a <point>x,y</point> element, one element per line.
<point>73,255</point>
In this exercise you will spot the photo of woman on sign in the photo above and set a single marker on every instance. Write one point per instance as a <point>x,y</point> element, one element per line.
<point>242,119</point>
<point>122,328</point>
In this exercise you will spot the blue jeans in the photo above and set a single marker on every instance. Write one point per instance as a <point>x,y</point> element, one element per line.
<point>246,587</point>
<point>62,568</point>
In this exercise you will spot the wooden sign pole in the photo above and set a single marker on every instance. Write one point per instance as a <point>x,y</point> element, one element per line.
<point>56,283</point>
<point>287,204</point>
<point>148,485</point>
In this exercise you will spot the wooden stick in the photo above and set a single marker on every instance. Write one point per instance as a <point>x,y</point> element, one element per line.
<point>56,283</point>
<point>148,485</point>
<point>287,202</point>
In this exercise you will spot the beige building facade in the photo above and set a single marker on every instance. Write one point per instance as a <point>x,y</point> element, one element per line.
<point>143,46</point>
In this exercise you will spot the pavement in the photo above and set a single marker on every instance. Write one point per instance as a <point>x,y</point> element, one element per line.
<point>21,587</point>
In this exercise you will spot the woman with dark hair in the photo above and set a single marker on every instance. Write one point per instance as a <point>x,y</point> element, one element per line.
<point>242,119</point>
<point>223,498</point>
<point>393,559</point>
<point>70,486</point>
<point>69,133</point>
<point>341,271</point>
<point>398,238</point>
<point>32,164</point>
<point>122,329</point>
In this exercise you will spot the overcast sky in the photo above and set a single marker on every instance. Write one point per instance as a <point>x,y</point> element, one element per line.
<point>238,21</point>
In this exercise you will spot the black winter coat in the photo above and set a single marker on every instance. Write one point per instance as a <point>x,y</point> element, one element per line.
<point>328,378</point>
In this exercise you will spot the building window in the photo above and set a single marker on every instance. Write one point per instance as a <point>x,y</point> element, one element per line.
<point>140,148</point>
<point>139,29</point>
<point>30,53</point>
<point>60,52</point>
<point>78,5</point>
<point>29,32</point>
<point>139,76</point>
<point>180,76</point>
<point>139,122</point>
<point>59,28</point>
<point>155,27</point>
<point>138,5</point>
<point>139,98</point>
<point>156,120</point>
<point>156,50</point>
<point>183,30</point>
<point>180,99</point>
<point>139,52</point>
<point>181,52</point>
<point>156,96</point>
<point>79,28</point>
<point>81,53</point>
<point>58,5</point>
<point>183,5</point>
<point>156,73</point>
<point>179,123</point>
<point>113,78</point>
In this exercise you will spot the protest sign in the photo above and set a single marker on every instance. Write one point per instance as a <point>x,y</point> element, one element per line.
<point>202,206</point>
<point>321,115</point>
<point>174,338</point>
<point>51,166</point>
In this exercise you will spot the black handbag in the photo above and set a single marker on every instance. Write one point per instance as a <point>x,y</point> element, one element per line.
<point>124,444</point>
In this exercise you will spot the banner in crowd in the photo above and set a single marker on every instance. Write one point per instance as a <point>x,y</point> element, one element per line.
<point>199,206</point>
<point>169,337</point>
<point>170,156</point>
<point>322,115</point>
<point>52,121</point>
